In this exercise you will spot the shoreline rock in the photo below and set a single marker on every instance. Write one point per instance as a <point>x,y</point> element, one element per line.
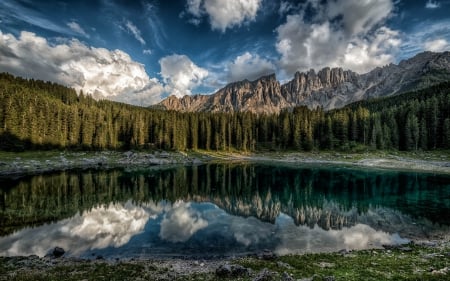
<point>324,266</point>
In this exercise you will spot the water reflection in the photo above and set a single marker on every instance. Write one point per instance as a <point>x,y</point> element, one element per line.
<point>219,209</point>
<point>183,229</point>
<point>101,227</point>
<point>181,222</point>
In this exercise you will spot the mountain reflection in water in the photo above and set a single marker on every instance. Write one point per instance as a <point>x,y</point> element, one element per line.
<point>193,228</point>
<point>221,209</point>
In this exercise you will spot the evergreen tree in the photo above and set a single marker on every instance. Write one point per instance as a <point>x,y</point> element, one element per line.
<point>446,134</point>
<point>423,135</point>
<point>412,132</point>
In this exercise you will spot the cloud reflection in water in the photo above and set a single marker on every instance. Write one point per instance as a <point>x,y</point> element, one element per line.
<point>299,239</point>
<point>185,228</point>
<point>99,228</point>
<point>181,222</point>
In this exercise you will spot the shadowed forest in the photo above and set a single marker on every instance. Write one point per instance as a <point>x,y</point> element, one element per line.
<point>42,115</point>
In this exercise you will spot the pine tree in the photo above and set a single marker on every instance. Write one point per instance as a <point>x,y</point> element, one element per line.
<point>423,135</point>
<point>446,134</point>
<point>412,132</point>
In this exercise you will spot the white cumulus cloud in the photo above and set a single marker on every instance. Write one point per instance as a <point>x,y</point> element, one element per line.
<point>432,4</point>
<point>194,7</point>
<point>359,16</point>
<point>438,45</point>
<point>342,33</point>
<point>375,50</point>
<point>249,66</point>
<point>224,14</point>
<point>181,75</point>
<point>103,73</point>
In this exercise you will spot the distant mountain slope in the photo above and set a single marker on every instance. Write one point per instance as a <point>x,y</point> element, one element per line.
<point>328,88</point>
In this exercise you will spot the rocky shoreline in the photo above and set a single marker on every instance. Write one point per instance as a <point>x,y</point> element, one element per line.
<point>41,162</point>
<point>35,163</point>
<point>427,260</point>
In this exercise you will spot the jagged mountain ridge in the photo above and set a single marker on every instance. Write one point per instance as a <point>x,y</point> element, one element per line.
<point>330,87</point>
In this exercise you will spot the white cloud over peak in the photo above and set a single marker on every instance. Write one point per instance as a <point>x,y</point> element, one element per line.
<point>97,71</point>
<point>376,50</point>
<point>74,26</point>
<point>432,4</point>
<point>249,66</point>
<point>438,45</point>
<point>130,27</point>
<point>342,33</point>
<point>224,14</point>
<point>359,16</point>
<point>181,75</point>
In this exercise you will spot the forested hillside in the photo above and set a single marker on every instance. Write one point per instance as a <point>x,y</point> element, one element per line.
<point>43,115</point>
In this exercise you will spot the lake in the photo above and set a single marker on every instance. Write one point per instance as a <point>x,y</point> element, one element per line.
<point>218,210</point>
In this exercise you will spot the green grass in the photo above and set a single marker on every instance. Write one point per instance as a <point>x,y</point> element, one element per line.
<point>421,263</point>
<point>362,265</point>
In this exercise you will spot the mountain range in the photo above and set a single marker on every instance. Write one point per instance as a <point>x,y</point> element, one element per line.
<point>329,88</point>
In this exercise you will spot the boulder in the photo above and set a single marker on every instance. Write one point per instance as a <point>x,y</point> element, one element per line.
<point>267,255</point>
<point>264,275</point>
<point>227,270</point>
<point>58,252</point>
<point>286,277</point>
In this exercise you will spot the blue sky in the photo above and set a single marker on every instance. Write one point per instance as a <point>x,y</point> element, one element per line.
<point>141,51</point>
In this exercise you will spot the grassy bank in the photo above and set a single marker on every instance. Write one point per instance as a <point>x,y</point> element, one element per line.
<point>411,262</point>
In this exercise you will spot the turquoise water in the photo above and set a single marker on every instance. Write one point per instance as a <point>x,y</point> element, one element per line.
<point>219,210</point>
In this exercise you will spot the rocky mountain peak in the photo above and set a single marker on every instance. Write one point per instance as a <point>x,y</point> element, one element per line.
<point>268,78</point>
<point>439,60</point>
<point>329,87</point>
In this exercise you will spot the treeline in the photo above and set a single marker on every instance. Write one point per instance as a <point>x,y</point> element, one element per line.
<point>43,115</point>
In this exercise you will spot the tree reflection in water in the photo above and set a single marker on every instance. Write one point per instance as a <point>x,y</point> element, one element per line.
<point>265,205</point>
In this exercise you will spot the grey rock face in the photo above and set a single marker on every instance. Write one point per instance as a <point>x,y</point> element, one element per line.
<point>328,88</point>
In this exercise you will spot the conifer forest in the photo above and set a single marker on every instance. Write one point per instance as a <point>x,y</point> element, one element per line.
<point>43,115</point>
